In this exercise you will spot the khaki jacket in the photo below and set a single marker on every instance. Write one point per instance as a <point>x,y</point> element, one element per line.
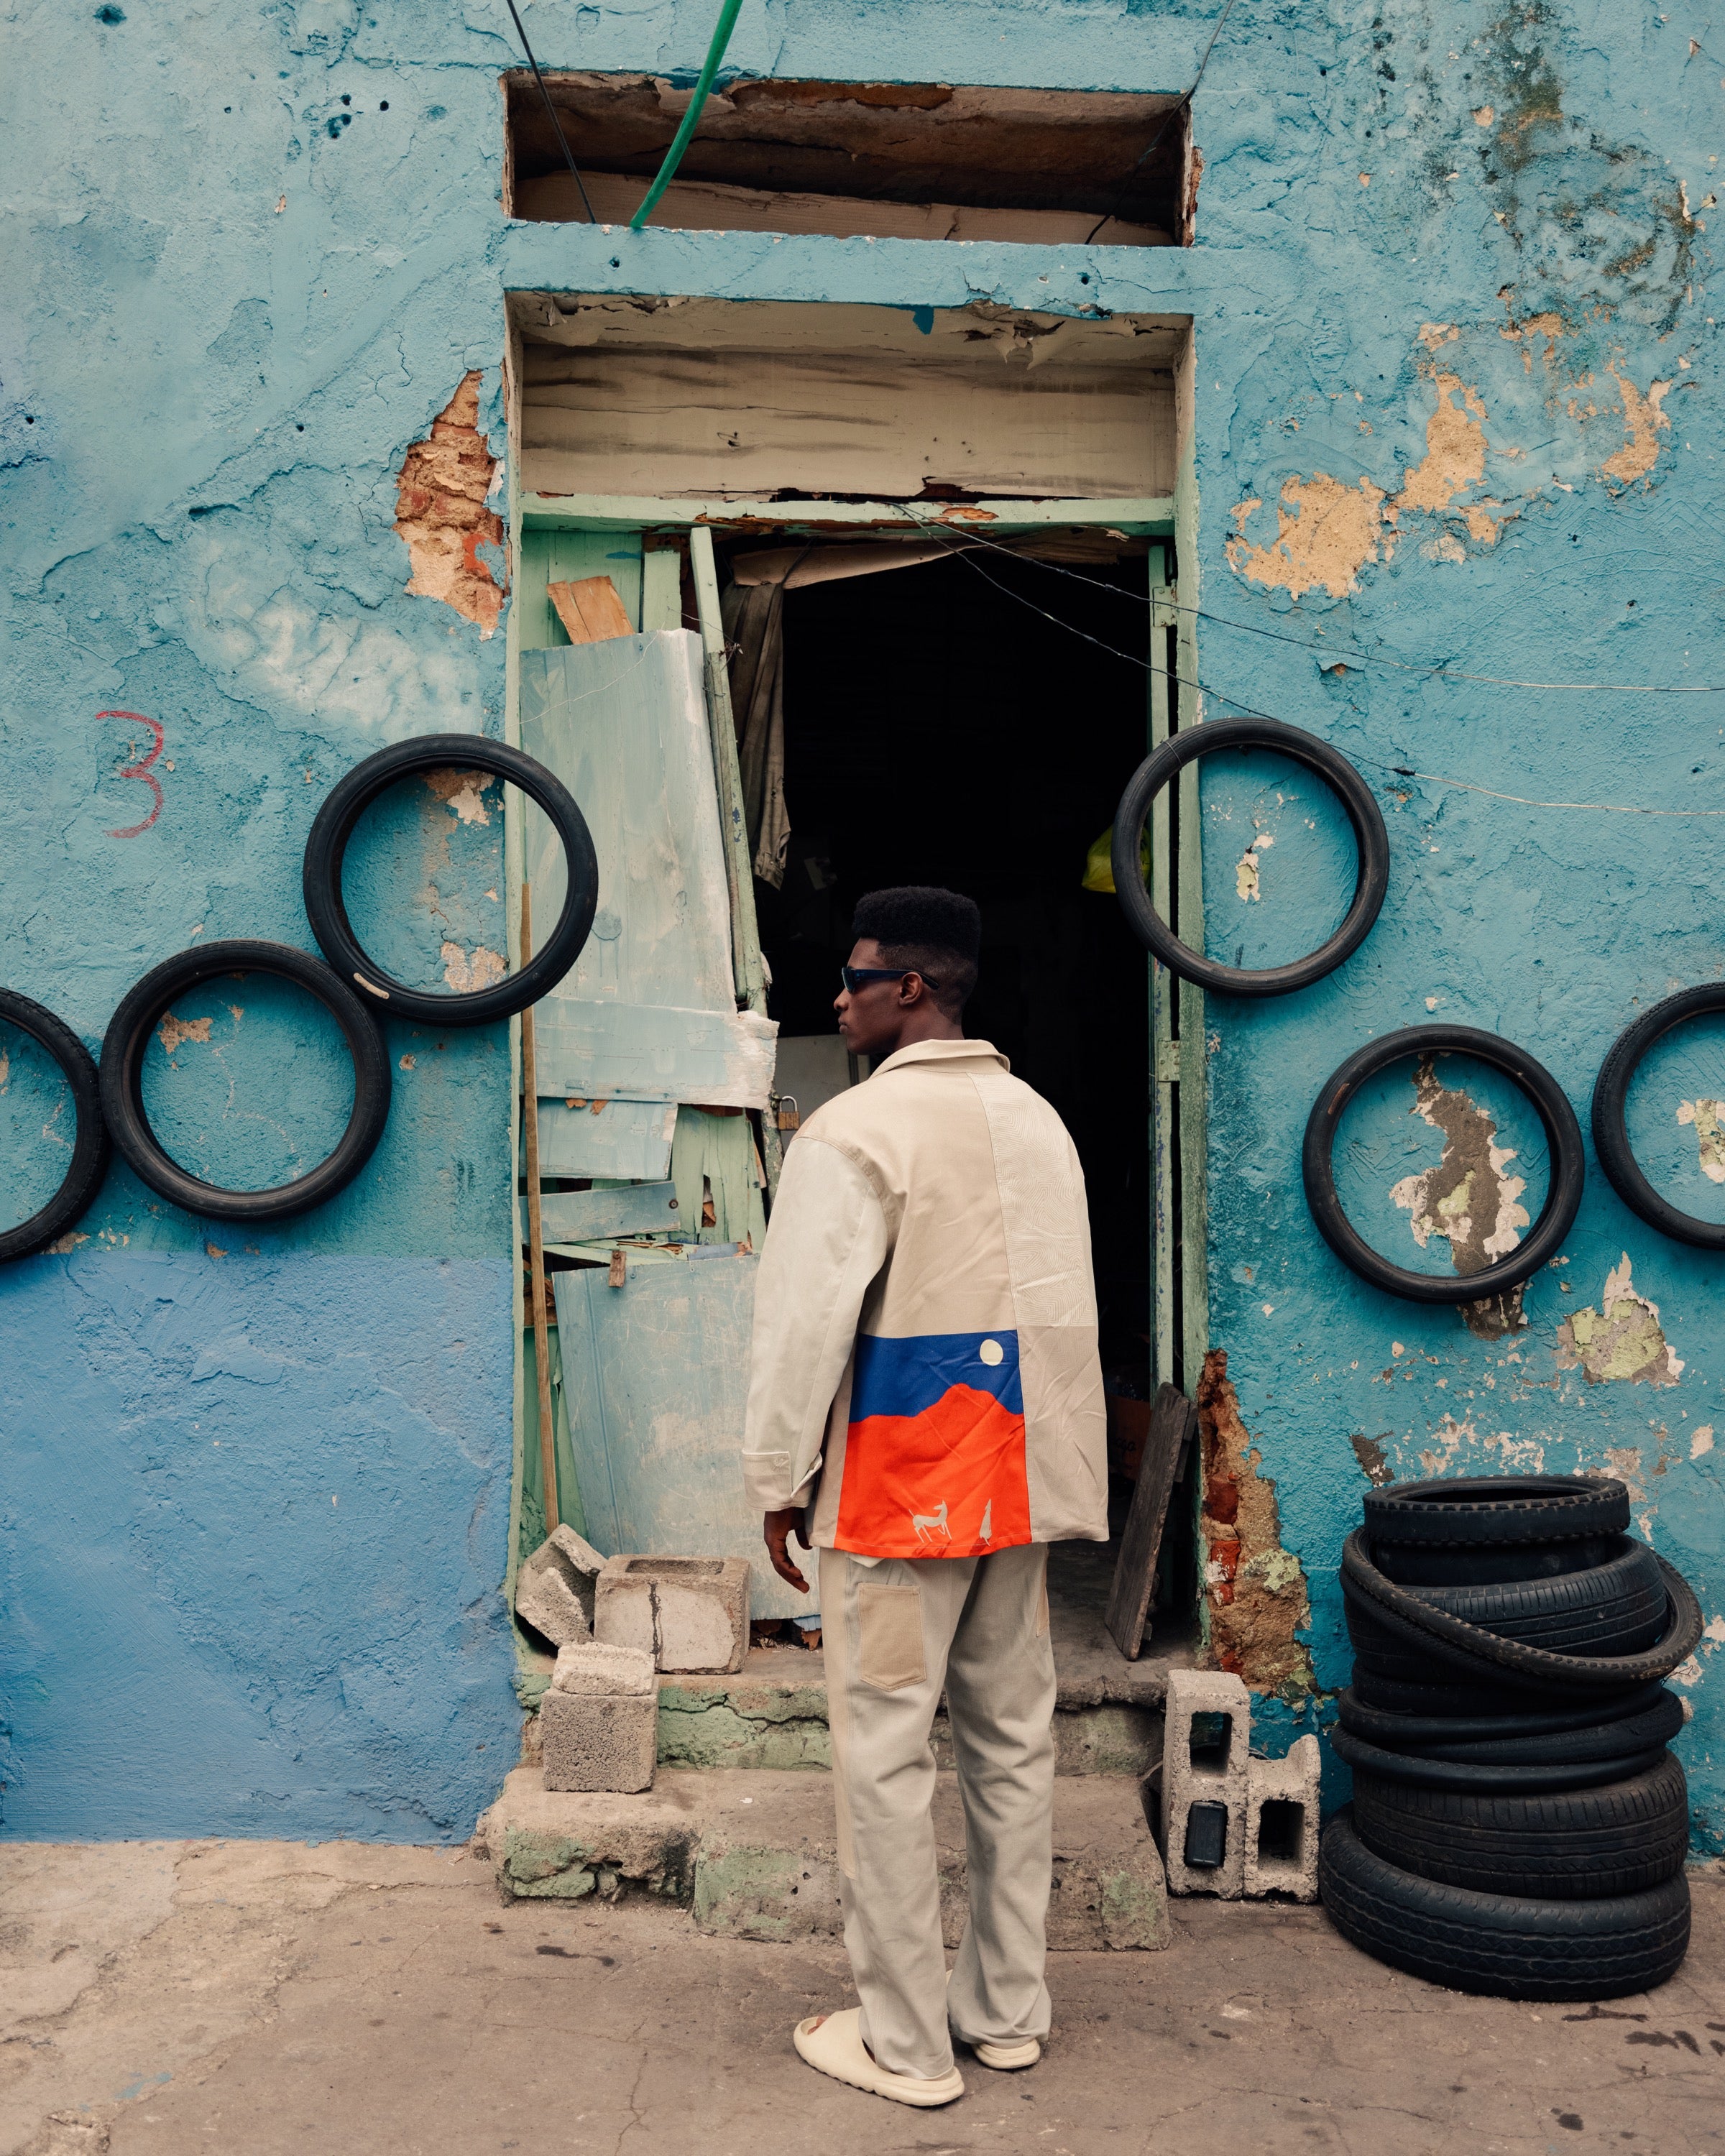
<point>925,1372</point>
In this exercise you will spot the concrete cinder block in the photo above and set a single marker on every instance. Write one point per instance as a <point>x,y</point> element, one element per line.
<point>598,1672</point>
<point>555,1587</point>
<point>689,1613</point>
<point>1282,1822</point>
<point>1201,1802</point>
<point>594,1744</point>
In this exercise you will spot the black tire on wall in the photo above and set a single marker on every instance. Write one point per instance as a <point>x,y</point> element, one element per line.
<point>1574,1844</point>
<point>1610,1116</point>
<point>1505,1946</point>
<point>1477,1511</point>
<point>89,1160</point>
<point>327,908</point>
<point>122,1080</point>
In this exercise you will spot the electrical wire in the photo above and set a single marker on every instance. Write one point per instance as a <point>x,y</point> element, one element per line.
<point>1432,670</point>
<point>569,154</point>
<point>960,549</point>
<point>1168,121</point>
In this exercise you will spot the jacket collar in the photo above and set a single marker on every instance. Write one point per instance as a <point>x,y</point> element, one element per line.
<point>942,1051</point>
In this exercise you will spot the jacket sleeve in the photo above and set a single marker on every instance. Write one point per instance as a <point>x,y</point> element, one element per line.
<point>826,1242</point>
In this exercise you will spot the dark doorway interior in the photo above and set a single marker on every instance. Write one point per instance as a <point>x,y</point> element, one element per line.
<point>946,725</point>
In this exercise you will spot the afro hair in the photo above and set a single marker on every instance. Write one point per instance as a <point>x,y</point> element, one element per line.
<point>934,932</point>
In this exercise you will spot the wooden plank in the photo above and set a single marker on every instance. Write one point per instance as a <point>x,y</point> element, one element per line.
<point>559,553</point>
<point>590,610</point>
<point>623,724</point>
<point>598,1050</point>
<point>637,1209</point>
<point>1171,1419</point>
<point>536,1238</point>
<point>751,977</point>
<point>654,420</point>
<point>1194,1058</point>
<point>656,1375</point>
<point>661,588</point>
<point>714,206</point>
<point>627,1139</point>
<point>606,513</point>
<point>714,1155</point>
<point>1163,1146</point>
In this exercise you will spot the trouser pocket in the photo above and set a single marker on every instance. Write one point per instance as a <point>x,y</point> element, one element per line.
<point>890,1623</point>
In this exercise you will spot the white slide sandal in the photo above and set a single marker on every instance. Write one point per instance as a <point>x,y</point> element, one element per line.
<point>1010,2058</point>
<point>1005,2058</point>
<point>832,2043</point>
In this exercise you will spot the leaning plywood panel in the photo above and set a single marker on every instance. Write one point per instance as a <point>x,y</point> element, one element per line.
<point>623,724</point>
<point>656,1376</point>
<point>721,1058</point>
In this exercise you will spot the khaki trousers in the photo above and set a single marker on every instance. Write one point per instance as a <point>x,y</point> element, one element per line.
<point>894,1634</point>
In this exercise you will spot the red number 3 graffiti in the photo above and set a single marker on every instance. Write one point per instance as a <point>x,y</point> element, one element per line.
<point>141,769</point>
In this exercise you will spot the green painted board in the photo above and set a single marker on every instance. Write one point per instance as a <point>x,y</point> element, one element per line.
<point>636,1208</point>
<point>715,1155</point>
<point>625,1138</point>
<point>656,1376</point>
<point>623,725</point>
<point>565,557</point>
<point>600,1051</point>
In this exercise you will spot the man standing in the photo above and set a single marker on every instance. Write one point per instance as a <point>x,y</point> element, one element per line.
<point>926,1410</point>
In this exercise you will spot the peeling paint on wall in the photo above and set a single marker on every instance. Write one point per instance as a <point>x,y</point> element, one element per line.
<point>441,512</point>
<point>1709,1137</point>
<point>467,973</point>
<point>1469,1198</point>
<point>172,1031</point>
<point>1254,1590</point>
<point>1621,1341</point>
<point>1327,532</point>
<point>1370,1453</point>
<point>1638,454</point>
<point>462,792</point>
<point>1455,1441</point>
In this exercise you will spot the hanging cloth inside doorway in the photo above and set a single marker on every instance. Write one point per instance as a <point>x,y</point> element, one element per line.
<point>753,611</point>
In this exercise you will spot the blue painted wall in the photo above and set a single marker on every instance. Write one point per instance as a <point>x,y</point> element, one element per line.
<point>249,288</point>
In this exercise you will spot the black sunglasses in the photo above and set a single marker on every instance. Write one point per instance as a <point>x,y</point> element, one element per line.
<point>855,976</point>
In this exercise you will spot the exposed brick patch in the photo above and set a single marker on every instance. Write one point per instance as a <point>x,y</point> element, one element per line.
<point>441,512</point>
<point>1254,1590</point>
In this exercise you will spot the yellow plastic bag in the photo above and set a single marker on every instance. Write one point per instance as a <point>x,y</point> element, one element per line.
<point>1099,862</point>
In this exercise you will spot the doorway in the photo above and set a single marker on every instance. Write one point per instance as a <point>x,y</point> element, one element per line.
<point>971,722</point>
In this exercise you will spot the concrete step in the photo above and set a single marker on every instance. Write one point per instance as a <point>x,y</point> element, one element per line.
<point>772,1714</point>
<point>752,1854</point>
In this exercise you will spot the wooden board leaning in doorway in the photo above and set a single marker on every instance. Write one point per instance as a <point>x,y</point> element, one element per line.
<point>1172,1420</point>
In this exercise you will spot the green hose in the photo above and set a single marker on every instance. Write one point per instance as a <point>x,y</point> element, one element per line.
<point>680,142</point>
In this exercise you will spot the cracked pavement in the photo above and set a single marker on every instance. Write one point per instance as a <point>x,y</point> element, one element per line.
<point>261,1997</point>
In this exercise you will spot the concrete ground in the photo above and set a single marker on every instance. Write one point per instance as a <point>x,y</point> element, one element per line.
<point>254,1997</point>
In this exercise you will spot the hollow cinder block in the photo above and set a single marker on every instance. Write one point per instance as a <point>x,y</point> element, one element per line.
<point>597,1671</point>
<point>1207,1732</point>
<point>1282,1822</point>
<point>555,1587</point>
<point>593,1742</point>
<point>689,1613</point>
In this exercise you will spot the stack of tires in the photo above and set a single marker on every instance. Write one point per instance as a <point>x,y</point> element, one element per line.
<point>1518,1825</point>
